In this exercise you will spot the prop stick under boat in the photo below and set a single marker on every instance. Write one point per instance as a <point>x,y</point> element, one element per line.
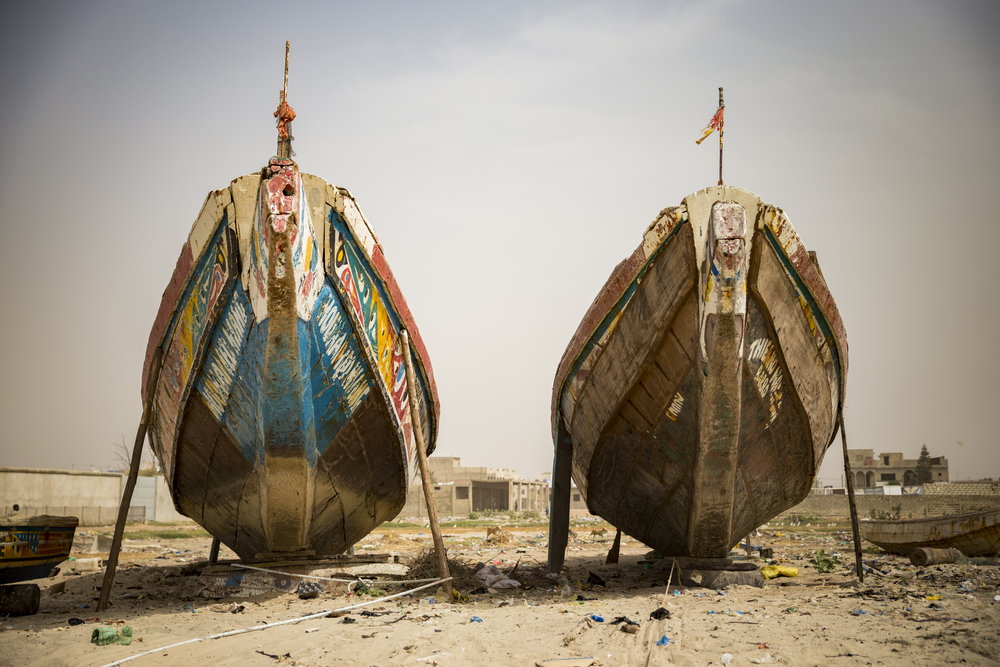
<point>425,475</point>
<point>850,500</point>
<point>133,475</point>
<point>561,483</point>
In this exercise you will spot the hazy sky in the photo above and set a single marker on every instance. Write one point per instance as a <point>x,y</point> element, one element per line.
<point>508,155</point>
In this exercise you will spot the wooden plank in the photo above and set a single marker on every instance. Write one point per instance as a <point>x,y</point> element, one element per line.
<point>805,366</point>
<point>561,489</point>
<point>663,289</point>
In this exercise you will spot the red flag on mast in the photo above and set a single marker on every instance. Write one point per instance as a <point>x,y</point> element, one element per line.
<point>714,124</point>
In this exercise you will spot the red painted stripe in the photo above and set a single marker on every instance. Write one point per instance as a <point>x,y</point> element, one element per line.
<point>406,317</point>
<point>167,305</point>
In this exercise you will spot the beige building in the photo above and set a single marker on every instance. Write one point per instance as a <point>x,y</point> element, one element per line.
<point>460,491</point>
<point>870,470</point>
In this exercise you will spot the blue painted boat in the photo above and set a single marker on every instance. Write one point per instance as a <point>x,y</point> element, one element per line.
<point>31,547</point>
<point>281,416</point>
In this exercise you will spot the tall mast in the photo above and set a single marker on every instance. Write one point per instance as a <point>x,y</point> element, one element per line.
<point>722,105</point>
<point>285,115</point>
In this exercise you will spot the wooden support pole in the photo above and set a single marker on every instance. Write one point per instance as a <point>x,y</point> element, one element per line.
<point>562,468</point>
<point>213,555</point>
<point>425,474</point>
<point>615,549</point>
<point>133,475</point>
<point>850,499</point>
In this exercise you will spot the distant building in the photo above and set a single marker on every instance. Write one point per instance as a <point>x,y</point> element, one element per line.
<point>870,471</point>
<point>459,491</point>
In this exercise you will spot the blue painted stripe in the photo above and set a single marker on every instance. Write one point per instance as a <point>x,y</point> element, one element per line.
<point>339,376</point>
<point>222,360</point>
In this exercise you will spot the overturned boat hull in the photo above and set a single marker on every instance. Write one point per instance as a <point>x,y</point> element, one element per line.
<point>699,394</point>
<point>281,416</point>
<point>974,534</point>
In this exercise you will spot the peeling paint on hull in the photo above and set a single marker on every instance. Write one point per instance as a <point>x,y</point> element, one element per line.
<point>282,418</point>
<point>701,389</point>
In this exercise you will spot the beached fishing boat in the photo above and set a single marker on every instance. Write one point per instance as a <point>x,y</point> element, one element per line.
<point>281,417</point>
<point>974,534</point>
<point>701,390</point>
<point>31,547</point>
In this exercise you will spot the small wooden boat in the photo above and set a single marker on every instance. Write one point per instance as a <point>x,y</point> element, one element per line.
<point>974,534</point>
<point>699,394</point>
<point>281,417</point>
<point>31,547</point>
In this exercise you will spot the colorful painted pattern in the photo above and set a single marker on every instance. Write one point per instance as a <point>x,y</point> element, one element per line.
<point>196,313</point>
<point>31,551</point>
<point>279,195</point>
<point>368,301</point>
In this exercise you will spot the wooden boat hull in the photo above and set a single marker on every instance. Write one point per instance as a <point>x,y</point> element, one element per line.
<point>974,534</point>
<point>701,391</point>
<point>30,547</point>
<point>281,417</point>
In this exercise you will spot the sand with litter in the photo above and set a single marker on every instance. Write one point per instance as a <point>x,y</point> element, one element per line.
<point>813,619</point>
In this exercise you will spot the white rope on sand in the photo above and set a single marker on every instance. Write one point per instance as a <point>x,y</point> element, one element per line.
<point>254,628</point>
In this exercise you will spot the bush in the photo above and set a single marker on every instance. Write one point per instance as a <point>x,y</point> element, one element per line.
<point>823,562</point>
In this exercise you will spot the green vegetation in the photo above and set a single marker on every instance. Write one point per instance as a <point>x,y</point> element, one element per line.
<point>924,473</point>
<point>163,534</point>
<point>823,562</point>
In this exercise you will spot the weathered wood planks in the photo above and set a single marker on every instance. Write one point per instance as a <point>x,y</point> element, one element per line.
<point>700,391</point>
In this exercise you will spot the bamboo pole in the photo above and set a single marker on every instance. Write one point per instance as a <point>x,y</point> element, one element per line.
<point>133,475</point>
<point>425,475</point>
<point>850,498</point>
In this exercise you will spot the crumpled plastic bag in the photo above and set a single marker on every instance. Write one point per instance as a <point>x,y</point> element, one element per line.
<point>772,571</point>
<point>492,577</point>
<point>104,635</point>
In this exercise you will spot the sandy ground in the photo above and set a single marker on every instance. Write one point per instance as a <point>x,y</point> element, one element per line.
<point>909,616</point>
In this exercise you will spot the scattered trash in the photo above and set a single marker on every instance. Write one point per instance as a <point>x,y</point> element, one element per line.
<point>659,614</point>
<point>492,577</point>
<point>104,635</point>
<point>858,612</point>
<point>727,658</point>
<point>595,580</point>
<point>663,641</point>
<point>932,597</point>
<point>349,619</point>
<point>308,590</point>
<point>595,617</point>
<point>762,645</point>
<point>720,592</point>
<point>624,619</point>
<point>763,660</point>
<point>630,629</point>
<point>75,621</point>
<point>308,630</point>
<point>279,658</point>
<point>996,598</point>
<point>773,571</point>
<point>475,619</point>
